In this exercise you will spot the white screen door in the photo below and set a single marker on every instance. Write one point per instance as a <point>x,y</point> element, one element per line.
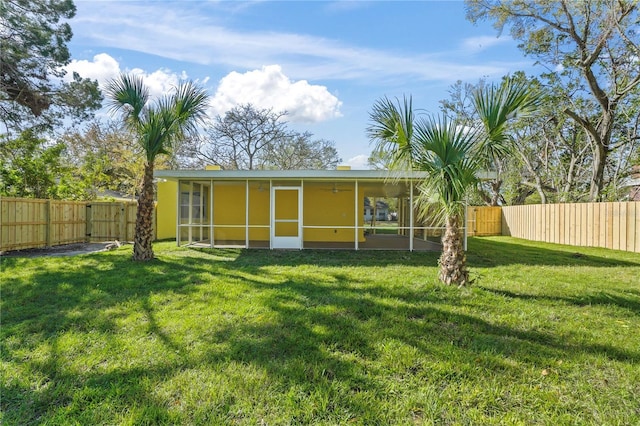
<point>286,223</point>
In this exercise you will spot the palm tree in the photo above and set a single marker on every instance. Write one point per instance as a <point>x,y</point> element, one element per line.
<point>451,155</point>
<point>157,126</point>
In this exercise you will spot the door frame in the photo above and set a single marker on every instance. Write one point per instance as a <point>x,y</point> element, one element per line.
<point>285,242</point>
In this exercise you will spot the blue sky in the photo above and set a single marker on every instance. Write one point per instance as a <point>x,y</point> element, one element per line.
<point>325,62</point>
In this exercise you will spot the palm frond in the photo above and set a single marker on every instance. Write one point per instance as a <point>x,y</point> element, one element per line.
<point>497,106</point>
<point>128,94</point>
<point>449,162</point>
<point>391,130</point>
<point>158,126</point>
<point>191,102</point>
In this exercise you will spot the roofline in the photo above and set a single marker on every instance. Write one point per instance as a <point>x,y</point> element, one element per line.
<point>298,174</point>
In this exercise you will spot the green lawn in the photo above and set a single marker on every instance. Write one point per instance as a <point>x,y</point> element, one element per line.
<point>547,335</point>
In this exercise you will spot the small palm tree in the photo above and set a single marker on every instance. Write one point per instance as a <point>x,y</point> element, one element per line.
<point>452,156</point>
<point>157,127</point>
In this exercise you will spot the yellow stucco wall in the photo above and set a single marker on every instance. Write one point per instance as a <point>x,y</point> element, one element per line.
<point>321,207</point>
<point>324,207</point>
<point>166,210</point>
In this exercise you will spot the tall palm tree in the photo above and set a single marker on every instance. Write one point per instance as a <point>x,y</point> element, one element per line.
<point>157,126</point>
<point>451,155</point>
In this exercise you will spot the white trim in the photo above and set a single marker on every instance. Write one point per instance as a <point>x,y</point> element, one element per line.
<point>189,221</point>
<point>271,207</point>
<point>178,216</point>
<point>411,216</point>
<point>464,218</point>
<point>287,242</point>
<point>300,214</point>
<point>300,174</point>
<point>211,223</point>
<point>246,215</point>
<point>355,225</point>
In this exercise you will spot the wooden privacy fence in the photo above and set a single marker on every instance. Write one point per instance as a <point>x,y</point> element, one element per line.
<point>484,221</point>
<point>609,225</point>
<point>29,223</point>
<point>111,221</point>
<point>34,223</point>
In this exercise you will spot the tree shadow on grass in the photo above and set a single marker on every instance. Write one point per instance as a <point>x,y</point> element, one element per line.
<point>628,299</point>
<point>482,252</point>
<point>87,296</point>
<point>322,334</point>
<point>256,257</point>
<point>490,252</point>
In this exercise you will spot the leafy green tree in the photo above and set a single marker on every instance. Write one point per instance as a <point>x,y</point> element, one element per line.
<point>33,53</point>
<point>451,154</point>
<point>157,126</point>
<point>593,45</point>
<point>32,168</point>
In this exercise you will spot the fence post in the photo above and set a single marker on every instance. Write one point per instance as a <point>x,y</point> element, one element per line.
<point>122,231</point>
<point>88,222</point>
<point>49,226</point>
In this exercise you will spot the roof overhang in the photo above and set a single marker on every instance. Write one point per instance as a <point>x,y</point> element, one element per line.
<point>320,175</point>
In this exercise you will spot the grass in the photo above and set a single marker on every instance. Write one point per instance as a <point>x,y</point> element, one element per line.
<point>547,335</point>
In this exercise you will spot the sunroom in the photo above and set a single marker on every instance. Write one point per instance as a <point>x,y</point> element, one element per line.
<point>291,209</point>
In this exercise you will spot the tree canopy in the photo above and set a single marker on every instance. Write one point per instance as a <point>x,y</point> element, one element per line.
<point>33,93</point>
<point>248,138</point>
<point>593,47</point>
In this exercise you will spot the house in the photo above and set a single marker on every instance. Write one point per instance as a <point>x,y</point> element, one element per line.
<point>285,209</point>
<point>381,210</point>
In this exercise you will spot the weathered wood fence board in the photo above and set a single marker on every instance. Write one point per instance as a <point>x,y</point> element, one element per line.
<point>484,221</point>
<point>23,223</point>
<point>66,222</point>
<point>610,225</point>
<point>111,221</point>
<point>34,223</point>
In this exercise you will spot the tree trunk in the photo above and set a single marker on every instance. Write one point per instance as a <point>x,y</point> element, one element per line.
<point>597,177</point>
<point>453,261</point>
<point>143,239</point>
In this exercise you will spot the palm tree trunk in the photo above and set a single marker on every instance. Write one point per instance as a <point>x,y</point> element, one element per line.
<point>143,239</point>
<point>453,261</point>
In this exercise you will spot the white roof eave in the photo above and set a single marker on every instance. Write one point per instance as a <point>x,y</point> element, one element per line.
<point>297,175</point>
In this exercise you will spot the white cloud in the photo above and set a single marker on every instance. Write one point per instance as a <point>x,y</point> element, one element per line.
<point>359,162</point>
<point>103,68</point>
<point>161,81</point>
<point>269,87</point>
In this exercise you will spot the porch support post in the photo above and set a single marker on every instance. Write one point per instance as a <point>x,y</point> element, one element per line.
<point>301,214</point>
<point>411,216</point>
<point>466,207</point>
<point>271,204</point>
<point>178,214</point>
<point>211,228</point>
<point>246,215</point>
<point>190,213</point>
<point>357,231</point>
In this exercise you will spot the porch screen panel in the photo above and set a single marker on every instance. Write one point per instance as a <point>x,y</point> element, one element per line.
<point>329,212</point>
<point>229,212</point>
<point>259,215</point>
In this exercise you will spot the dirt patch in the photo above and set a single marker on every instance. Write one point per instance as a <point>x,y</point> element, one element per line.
<point>64,250</point>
